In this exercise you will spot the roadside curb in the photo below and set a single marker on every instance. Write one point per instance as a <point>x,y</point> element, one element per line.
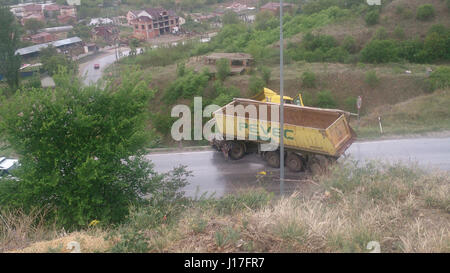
<point>177,149</point>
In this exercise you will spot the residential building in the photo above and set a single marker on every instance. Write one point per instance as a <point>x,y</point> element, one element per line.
<point>68,11</point>
<point>274,7</point>
<point>40,38</point>
<point>106,33</point>
<point>153,22</point>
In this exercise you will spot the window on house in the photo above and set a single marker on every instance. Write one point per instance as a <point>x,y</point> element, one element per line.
<point>143,26</point>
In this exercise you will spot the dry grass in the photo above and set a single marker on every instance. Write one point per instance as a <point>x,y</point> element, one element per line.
<point>19,229</point>
<point>392,207</point>
<point>421,114</point>
<point>402,208</point>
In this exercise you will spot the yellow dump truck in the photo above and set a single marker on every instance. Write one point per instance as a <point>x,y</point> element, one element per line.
<point>311,135</point>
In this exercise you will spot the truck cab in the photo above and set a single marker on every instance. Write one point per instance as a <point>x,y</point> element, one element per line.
<point>268,95</point>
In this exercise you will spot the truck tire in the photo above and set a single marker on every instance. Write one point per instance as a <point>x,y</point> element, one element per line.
<point>237,150</point>
<point>273,158</point>
<point>294,162</point>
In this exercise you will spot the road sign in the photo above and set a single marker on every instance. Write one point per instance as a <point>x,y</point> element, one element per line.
<point>359,102</point>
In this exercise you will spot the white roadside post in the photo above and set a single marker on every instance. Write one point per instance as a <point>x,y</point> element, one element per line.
<point>358,105</point>
<point>281,102</point>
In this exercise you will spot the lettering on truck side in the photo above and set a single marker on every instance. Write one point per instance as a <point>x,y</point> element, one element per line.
<point>268,133</point>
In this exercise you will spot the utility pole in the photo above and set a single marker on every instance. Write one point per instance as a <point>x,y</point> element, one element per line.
<point>281,102</point>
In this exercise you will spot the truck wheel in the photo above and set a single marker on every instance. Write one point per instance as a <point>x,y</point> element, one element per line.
<point>237,150</point>
<point>273,158</point>
<point>294,162</point>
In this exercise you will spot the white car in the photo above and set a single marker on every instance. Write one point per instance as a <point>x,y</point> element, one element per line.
<point>6,165</point>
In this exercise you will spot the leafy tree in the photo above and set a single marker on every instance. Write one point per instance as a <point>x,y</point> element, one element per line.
<point>266,74</point>
<point>380,51</point>
<point>81,150</point>
<point>372,17</point>
<point>33,25</point>
<point>309,79</point>
<point>425,12</point>
<point>349,44</point>
<point>230,18</point>
<point>256,84</point>
<point>9,43</point>
<point>325,100</point>
<point>223,69</point>
<point>52,61</point>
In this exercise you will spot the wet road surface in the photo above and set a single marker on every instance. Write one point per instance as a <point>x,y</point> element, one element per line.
<point>89,74</point>
<point>212,173</point>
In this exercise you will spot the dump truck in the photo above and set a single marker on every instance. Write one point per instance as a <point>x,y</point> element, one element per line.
<point>313,137</point>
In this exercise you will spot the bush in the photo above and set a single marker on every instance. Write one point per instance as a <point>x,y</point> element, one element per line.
<point>437,43</point>
<point>325,100</point>
<point>380,51</point>
<point>425,12</point>
<point>350,104</point>
<point>440,78</point>
<point>371,78</point>
<point>349,44</point>
<point>82,151</point>
<point>380,34</point>
<point>309,79</point>
<point>266,74</point>
<point>223,69</point>
<point>372,17</point>
<point>399,33</point>
<point>188,86</point>
<point>256,85</point>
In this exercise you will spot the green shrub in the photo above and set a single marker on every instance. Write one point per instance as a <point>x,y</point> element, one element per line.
<point>256,84</point>
<point>223,69</point>
<point>349,44</point>
<point>131,241</point>
<point>372,17</point>
<point>309,79</point>
<point>191,84</point>
<point>425,12</point>
<point>437,45</point>
<point>325,100</point>
<point>399,33</point>
<point>372,78</point>
<point>440,78</point>
<point>380,51</point>
<point>266,74</point>
<point>380,34</point>
<point>82,151</point>
<point>350,104</point>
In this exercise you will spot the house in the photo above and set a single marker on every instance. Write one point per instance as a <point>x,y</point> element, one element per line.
<point>153,22</point>
<point>274,7</point>
<point>33,9</point>
<point>107,33</point>
<point>70,45</point>
<point>51,10</point>
<point>238,62</point>
<point>42,37</point>
<point>68,11</point>
<point>73,2</point>
<point>66,19</point>
<point>132,14</point>
<point>34,16</point>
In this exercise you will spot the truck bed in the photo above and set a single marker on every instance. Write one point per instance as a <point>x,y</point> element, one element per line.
<point>307,129</point>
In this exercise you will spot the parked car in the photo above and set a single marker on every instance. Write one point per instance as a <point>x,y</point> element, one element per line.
<point>7,165</point>
<point>96,66</point>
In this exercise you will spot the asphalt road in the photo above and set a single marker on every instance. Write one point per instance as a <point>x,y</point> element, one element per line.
<point>90,75</point>
<point>213,174</point>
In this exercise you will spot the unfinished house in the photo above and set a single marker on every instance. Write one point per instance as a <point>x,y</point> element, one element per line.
<point>239,62</point>
<point>154,22</point>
